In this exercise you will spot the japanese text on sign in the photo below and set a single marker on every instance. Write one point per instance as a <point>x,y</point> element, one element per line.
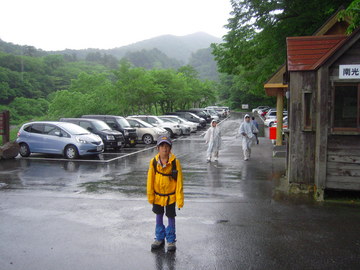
<point>349,72</point>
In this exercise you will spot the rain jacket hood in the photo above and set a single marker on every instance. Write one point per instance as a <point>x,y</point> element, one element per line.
<point>164,190</point>
<point>247,127</point>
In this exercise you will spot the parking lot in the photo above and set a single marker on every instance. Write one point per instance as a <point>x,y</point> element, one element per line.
<point>93,213</point>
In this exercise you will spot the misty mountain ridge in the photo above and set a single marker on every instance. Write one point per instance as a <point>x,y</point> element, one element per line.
<point>167,51</point>
<point>177,47</point>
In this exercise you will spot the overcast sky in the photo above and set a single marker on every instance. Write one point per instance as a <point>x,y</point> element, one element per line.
<point>81,24</point>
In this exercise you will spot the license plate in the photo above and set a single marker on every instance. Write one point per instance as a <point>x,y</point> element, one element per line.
<point>132,141</point>
<point>118,143</point>
<point>98,148</point>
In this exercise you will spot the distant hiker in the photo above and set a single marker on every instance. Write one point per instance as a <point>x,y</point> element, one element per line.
<point>213,139</point>
<point>247,131</point>
<point>255,123</point>
<point>164,190</point>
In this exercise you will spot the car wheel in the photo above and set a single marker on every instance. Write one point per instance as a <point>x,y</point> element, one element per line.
<point>271,124</point>
<point>147,139</point>
<point>24,150</point>
<point>71,152</point>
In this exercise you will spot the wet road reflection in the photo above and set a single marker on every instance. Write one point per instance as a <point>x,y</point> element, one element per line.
<point>127,171</point>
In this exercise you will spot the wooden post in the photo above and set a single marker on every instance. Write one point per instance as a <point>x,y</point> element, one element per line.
<point>279,116</point>
<point>5,126</point>
<point>321,135</point>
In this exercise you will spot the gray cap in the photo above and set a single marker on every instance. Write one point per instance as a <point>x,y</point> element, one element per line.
<point>164,139</point>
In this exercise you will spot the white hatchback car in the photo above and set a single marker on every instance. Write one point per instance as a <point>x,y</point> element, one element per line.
<point>270,118</point>
<point>185,129</point>
<point>146,132</point>
<point>172,128</point>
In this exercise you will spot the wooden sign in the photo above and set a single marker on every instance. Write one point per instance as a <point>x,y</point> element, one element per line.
<point>349,71</point>
<point>5,126</point>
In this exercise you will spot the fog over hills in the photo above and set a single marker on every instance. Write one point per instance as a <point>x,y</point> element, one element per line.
<point>177,47</point>
<point>167,51</point>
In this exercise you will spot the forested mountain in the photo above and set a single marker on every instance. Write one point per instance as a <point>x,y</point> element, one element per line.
<point>36,84</point>
<point>178,47</point>
<point>153,58</point>
<point>166,51</point>
<point>204,63</point>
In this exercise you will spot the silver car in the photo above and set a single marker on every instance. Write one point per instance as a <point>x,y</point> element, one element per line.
<point>172,128</point>
<point>50,137</point>
<point>146,132</point>
<point>193,126</point>
<point>185,129</point>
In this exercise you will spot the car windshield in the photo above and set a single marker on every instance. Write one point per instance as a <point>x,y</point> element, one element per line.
<point>212,112</point>
<point>160,121</point>
<point>123,122</point>
<point>74,129</point>
<point>100,125</point>
<point>140,122</point>
<point>195,116</point>
<point>169,120</point>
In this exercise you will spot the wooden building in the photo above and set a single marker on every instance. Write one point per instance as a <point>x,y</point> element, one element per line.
<point>322,80</point>
<point>324,111</point>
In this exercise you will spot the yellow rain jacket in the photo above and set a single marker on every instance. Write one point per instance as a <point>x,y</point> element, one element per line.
<point>164,190</point>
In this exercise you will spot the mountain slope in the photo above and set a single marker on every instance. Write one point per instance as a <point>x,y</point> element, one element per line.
<point>177,47</point>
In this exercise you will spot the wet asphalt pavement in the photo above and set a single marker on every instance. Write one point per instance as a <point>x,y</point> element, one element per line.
<point>58,214</point>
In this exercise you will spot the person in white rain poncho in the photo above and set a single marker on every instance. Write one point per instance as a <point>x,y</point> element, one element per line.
<point>247,130</point>
<point>213,139</point>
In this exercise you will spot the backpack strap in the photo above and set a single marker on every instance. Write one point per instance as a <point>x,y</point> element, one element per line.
<point>173,167</point>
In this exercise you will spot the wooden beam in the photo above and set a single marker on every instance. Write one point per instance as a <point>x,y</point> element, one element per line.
<point>279,117</point>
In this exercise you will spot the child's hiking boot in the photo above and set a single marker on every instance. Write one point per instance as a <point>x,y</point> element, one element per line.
<point>171,246</point>
<point>157,244</point>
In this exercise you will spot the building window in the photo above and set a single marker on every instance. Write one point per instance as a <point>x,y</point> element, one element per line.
<point>346,107</point>
<point>307,111</point>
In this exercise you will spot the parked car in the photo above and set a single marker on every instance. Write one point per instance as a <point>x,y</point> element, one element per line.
<point>146,133</point>
<point>259,108</point>
<point>285,122</point>
<point>172,128</point>
<point>118,123</point>
<point>263,112</point>
<point>199,112</point>
<point>221,110</point>
<point>185,129</point>
<point>112,139</point>
<point>190,117</point>
<point>213,114</point>
<point>50,137</point>
<point>193,126</point>
<point>271,118</point>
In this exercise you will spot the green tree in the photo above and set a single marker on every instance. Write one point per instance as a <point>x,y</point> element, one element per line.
<point>255,45</point>
<point>24,109</point>
<point>352,12</point>
<point>135,89</point>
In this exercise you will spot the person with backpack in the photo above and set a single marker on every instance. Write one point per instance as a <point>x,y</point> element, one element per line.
<point>165,192</point>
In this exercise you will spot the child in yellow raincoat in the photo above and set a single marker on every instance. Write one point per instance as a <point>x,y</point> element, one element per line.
<point>164,191</point>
